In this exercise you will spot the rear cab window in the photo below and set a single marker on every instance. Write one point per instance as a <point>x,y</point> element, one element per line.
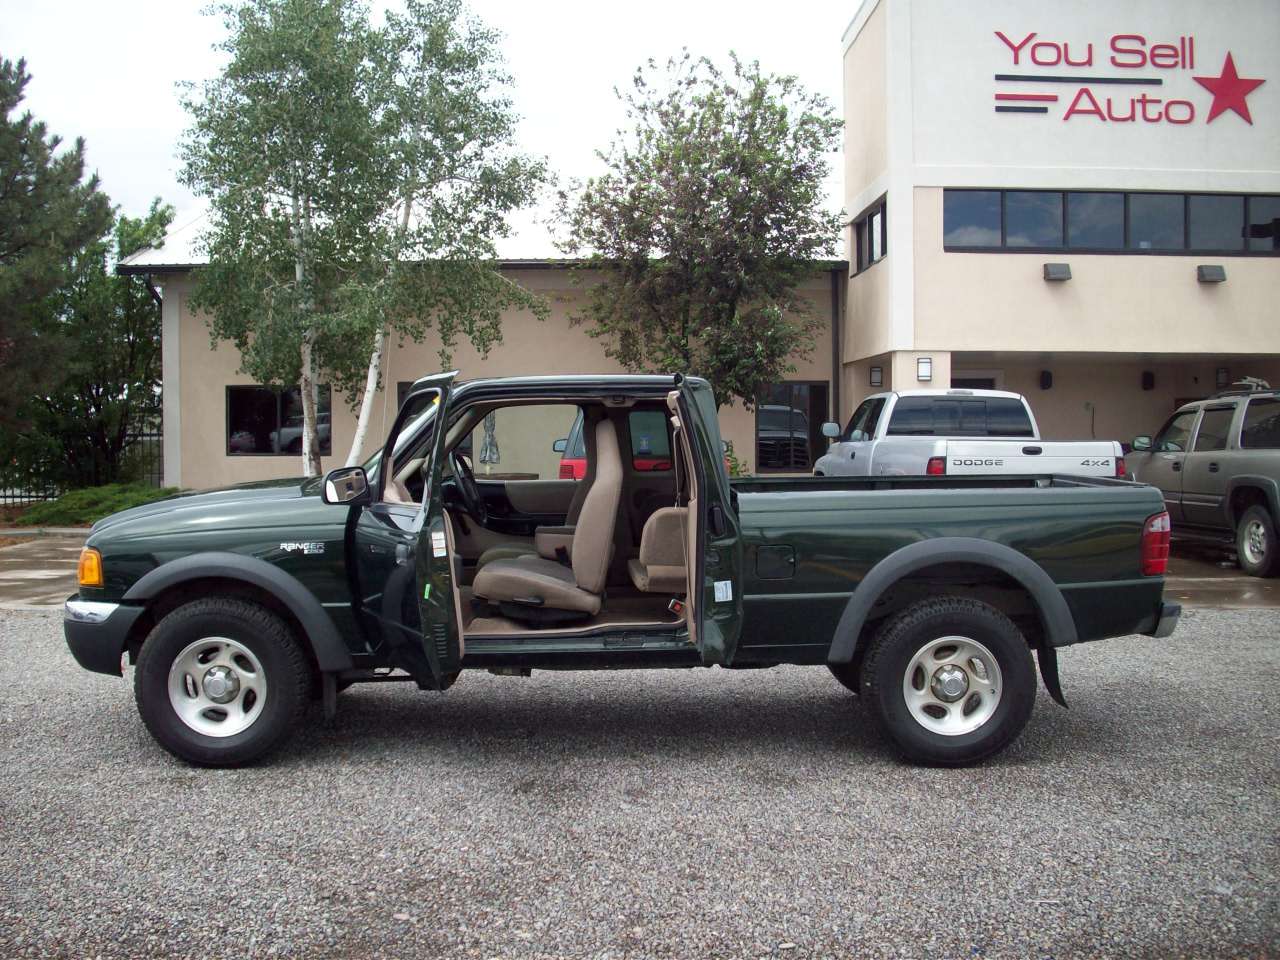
<point>960,417</point>
<point>650,441</point>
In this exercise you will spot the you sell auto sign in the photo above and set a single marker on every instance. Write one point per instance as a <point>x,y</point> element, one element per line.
<point>1123,78</point>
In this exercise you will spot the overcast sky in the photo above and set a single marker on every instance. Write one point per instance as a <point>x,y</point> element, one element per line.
<point>108,72</point>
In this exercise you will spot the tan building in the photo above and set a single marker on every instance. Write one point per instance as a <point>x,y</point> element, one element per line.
<point>1076,201</point>
<point>220,428</point>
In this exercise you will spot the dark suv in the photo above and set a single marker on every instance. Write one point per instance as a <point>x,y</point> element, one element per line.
<point>1217,462</point>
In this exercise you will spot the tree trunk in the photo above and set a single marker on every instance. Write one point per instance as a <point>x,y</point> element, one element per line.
<point>366,401</point>
<point>310,436</point>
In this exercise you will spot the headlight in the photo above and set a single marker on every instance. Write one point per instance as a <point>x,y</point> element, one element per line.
<point>89,572</point>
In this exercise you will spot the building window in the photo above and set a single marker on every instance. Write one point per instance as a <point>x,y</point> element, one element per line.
<point>267,421</point>
<point>869,237</point>
<point>1033,218</point>
<point>1098,221</point>
<point>789,426</point>
<point>1095,221</point>
<point>971,218</point>
<point>1156,221</point>
<point>1264,224</point>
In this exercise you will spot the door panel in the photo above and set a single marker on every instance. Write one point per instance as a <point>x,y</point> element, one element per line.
<point>1207,467</point>
<point>541,497</point>
<point>386,540</point>
<point>717,573</point>
<point>1163,468</point>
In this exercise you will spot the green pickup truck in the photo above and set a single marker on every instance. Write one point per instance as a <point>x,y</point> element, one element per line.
<point>932,598</point>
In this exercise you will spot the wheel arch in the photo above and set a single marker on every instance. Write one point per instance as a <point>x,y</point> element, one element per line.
<point>1057,626</point>
<point>251,578</point>
<point>1246,490</point>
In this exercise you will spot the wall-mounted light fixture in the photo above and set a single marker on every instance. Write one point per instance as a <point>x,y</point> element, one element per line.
<point>1148,380</point>
<point>1211,273</point>
<point>877,376</point>
<point>924,368</point>
<point>1046,379</point>
<point>1223,378</point>
<point>1057,271</point>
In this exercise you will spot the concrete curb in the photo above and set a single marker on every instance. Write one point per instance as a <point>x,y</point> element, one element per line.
<point>44,532</point>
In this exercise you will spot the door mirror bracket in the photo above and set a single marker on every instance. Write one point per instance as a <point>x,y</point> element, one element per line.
<point>347,486</point>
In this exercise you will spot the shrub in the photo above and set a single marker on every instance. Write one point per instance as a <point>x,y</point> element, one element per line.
<point>90,504</point>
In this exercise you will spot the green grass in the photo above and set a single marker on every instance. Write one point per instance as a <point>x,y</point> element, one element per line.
<point>83,507</point>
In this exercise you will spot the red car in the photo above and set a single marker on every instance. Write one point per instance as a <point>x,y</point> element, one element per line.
<point>650,446</point>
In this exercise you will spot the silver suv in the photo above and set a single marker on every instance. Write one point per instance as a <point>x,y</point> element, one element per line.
<point>1217,462</point>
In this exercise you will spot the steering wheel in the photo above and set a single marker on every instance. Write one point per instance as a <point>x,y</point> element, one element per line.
<point>468,488</point>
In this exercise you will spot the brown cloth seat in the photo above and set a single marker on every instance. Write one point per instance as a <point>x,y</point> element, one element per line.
<point>660,567</point>
<point>537,585</point>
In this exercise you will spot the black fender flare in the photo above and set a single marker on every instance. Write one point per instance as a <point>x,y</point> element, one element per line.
<point>1055,615</point>
<point>1270,492</point>
<point>326,643</point>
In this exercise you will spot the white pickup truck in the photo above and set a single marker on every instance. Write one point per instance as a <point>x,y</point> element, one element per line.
<point>956,432</point>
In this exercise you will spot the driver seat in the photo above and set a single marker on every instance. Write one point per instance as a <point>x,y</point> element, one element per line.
<point>537,590</point>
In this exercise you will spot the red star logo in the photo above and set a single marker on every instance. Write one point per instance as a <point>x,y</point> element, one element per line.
<point>1229,91</point>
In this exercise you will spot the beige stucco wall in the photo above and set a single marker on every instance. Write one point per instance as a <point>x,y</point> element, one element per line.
<point>1112,304</point>
<point>529,347</point>
<point>866,316</point>
<point>865,112</point>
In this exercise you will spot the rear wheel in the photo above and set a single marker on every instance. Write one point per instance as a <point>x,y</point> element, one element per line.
<point>221,682</point>
<point>949,681</point>
<point>1256,545</point>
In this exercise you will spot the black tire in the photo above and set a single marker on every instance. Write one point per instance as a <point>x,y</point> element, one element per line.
<point>1257,548</point>
<point>896,645</point>
<point>847,675</point>
<point>285,669</point>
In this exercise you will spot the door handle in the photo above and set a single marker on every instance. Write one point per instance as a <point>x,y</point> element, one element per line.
<point>853,454</point>
<point>1033,451</point>
<point>1177,466</point>
<point>1213,468</point>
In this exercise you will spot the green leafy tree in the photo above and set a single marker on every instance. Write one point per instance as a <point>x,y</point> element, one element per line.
<point>48,212</point>
<point>108,389</point>
<point>357,178</point>
<point>709,217</point>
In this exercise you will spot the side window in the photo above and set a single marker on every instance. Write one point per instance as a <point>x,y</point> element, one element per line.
<point>522,442</point>
<point>862,425</point>
<point>1214,427</point>
<point>650,441</point>
<point>1261,429</point>
<point>1174,435</point>
<point>268,420</point>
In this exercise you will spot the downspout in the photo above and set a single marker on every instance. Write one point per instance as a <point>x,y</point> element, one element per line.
<point>836,367</point>
<point>155,294</point>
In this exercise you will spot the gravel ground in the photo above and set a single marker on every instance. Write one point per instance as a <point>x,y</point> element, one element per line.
<point>655,814</point>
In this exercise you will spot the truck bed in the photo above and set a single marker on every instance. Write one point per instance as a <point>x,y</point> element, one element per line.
<point>800,484</point>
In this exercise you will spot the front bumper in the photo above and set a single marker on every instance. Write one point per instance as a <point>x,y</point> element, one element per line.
<point>96,632</point>
<point>1166,620</point>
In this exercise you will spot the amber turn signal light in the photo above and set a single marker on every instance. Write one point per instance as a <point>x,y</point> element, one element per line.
<point>90,570</point>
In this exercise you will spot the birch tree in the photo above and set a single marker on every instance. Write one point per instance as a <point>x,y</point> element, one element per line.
<point>357,177</point>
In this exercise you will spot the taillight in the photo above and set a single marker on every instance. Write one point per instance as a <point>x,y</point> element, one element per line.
<point>1155,545</point>
<point>936,467</point>
<point>1121,471</point>
<point>566,470</point>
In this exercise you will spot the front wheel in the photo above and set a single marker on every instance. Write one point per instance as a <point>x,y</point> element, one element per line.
<point>221,682</point>
<point>950,681</point>
<point>1256,546</point>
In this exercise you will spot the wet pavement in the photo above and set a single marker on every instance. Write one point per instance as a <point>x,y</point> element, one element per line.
<point>42,573</point>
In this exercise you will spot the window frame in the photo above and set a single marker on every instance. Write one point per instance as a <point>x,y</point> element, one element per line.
<point>864,242</point>
<point>1124,250</point>
<point>279,395</point>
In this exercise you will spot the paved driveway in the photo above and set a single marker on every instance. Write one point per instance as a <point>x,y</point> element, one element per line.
<point>39,572</point>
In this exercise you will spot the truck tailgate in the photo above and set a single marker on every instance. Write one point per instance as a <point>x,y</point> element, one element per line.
<point>1086,458</point>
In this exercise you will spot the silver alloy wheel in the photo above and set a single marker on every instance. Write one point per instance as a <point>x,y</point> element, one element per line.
<point>1255,542</point>
<point>952,686</point>
<point>217,687</point>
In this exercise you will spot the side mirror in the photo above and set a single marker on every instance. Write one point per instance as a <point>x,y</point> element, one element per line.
<point>1142,443</point>
<point>561,445</point>
<point>346,485</point>
<point>830,430</point>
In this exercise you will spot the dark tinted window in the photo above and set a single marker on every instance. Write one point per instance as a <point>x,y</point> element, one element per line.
<point>971,218</point>
<point>268,420</point>
<point>877,235</point>
<point>789,426</point>
<point>1216,222</point>
<point>1214,425</point>
<point>1008,418</point>
<point>1261,429</point>
<point>1095,221</point>
<point>1033,218</point>
<point>959,417</point>
<point>1264,223</point>
<point>1156,221</point>
<point>862,425</point>
<point>1174,435</point>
